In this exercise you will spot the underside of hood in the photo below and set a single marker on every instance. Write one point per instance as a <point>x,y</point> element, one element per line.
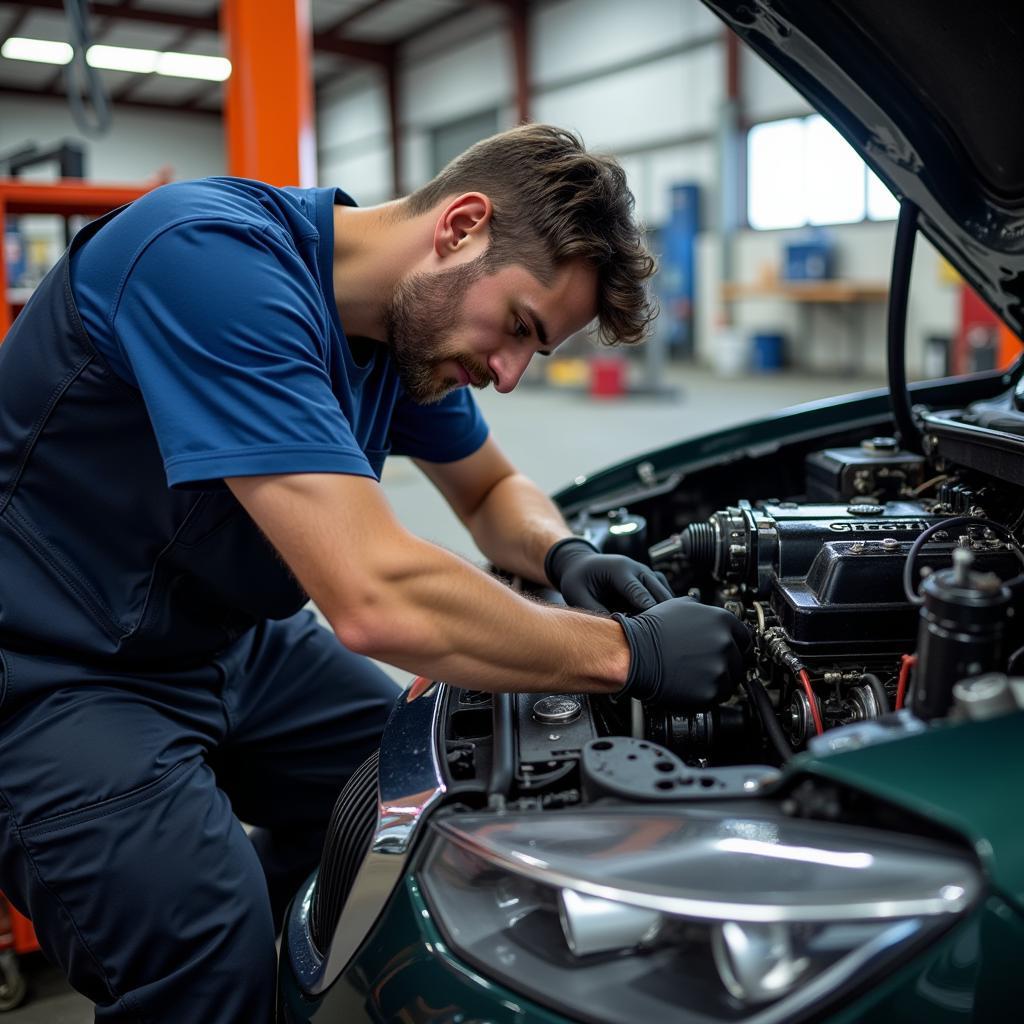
<point>931,94</point>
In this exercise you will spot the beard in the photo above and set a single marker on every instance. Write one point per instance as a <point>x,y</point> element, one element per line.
<point>420,320</point>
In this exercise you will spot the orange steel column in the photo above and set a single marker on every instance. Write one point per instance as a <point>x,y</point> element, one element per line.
<point>5,309</point>
<point>268,100</point>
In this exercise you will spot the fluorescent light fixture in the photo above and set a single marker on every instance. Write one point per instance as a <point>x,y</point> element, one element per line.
<point>122,58</point>
<point>42,51</point>
<point>192,65</point>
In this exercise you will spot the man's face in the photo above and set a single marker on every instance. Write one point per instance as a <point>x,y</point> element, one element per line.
<point>460,326</point>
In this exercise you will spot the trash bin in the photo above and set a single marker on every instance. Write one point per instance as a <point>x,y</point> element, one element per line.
<point>767,353</point>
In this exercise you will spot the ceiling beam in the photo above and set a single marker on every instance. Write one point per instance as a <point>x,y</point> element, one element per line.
<point>333,76</point>
<point>147,15</point>
<point>371,53</point>
<point>376,53</point>
<point>384,55</point>
<point>17,20</point>
<point>167,108</point>
<point>346,19</point>
<point>204,91</point>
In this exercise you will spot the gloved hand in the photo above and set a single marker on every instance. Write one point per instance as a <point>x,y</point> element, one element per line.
<point>602,583</point>
<point>684,655</point>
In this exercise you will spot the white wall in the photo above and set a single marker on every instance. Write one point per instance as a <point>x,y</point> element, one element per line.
<point>353,138</point>
<point>766,94</point>
<point>139,145</point>
<point>572,37</point>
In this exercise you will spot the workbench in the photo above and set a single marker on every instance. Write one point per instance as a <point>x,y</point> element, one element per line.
<point>848,299</point>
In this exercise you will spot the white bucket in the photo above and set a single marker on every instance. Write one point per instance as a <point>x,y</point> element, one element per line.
<point>729,354</point>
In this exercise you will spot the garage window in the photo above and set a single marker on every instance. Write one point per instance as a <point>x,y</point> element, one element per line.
<point>801,171</point>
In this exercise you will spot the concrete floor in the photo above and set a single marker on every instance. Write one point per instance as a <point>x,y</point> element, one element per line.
<point>552,435</point>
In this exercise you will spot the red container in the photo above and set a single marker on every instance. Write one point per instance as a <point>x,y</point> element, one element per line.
<point>607,376</point>
<point>16,931</point>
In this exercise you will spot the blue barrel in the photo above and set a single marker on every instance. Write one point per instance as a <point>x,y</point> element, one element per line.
<point>767,353</point>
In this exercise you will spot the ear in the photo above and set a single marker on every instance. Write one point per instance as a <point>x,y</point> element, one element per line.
<point>464,224</point>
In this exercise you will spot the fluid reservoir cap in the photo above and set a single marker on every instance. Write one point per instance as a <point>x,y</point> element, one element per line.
<point>558,709</point>
<point>624,529</point>
<point>879,445</point>
<point>863,509</point>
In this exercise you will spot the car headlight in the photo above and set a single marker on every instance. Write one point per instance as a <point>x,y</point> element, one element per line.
<point>685,914</point>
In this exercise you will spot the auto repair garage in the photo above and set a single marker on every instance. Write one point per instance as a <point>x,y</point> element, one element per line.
<point>356,665</point>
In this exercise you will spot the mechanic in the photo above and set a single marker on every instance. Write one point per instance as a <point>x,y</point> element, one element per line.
<point>222,364</point>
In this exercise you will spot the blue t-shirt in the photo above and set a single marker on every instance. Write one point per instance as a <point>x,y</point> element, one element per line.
<point>215,298</point>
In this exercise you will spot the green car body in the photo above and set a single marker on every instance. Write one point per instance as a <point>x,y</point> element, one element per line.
<point>967,776</point>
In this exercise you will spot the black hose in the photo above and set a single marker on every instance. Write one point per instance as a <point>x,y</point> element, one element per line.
<point>503,750</point>
<point>949,524</point>
<point>83,81</point>
<point>899,288</point>
<point>766,712</point>
<point>875,685</point>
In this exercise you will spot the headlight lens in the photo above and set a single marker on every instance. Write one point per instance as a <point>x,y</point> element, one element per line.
<point>684,915</point>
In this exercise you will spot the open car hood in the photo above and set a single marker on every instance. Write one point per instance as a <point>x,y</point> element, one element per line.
<point>930,93</point>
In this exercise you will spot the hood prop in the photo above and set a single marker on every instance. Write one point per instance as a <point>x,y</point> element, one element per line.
<point>899,288</point>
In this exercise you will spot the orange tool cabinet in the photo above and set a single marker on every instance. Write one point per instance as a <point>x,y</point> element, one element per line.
<point>16,939</point>
<point>66,198</point>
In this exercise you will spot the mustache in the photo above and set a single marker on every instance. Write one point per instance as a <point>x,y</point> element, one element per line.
<point>479,375</point>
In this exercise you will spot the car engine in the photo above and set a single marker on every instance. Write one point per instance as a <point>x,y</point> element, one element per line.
<point>821,581</point>
<point>887,580</point>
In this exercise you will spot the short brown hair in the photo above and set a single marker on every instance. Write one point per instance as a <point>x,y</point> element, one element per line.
<point>554,202</point>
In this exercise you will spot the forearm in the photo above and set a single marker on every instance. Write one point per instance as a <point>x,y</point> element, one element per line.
<point>395,597</point>
<point>515,526</point>
<point>435,615</point>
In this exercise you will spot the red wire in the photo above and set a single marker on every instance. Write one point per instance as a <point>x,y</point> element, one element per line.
<point>809,690</point>
<point>907,662</point>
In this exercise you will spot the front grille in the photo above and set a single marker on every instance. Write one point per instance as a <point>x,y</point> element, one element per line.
<point>349,834</point>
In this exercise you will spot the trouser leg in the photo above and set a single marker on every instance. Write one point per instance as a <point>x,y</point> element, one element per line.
<point>117,835</point>
<point>116,840</point>
<point>304,713</point>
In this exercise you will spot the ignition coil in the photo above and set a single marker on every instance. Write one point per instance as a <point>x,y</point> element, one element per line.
<point>960,634</point>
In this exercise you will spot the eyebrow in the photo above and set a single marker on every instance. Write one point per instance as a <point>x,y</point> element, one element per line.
<point>538,325</point>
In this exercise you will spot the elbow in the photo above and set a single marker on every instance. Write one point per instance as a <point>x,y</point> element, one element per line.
<point>394,635</point>
<point>361,633</point>
<point>378,614</point>
<point>378,630</point>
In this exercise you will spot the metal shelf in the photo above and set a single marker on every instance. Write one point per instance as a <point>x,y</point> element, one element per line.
<point>64,198</point>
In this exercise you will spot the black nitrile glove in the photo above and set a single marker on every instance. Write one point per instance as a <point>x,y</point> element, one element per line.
<point>602,583</point>
<point>684,655</point>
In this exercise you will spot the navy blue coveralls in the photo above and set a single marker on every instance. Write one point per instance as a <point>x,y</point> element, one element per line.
<point>158,682</point>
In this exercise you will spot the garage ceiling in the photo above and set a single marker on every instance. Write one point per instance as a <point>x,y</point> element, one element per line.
<point>346,34</point>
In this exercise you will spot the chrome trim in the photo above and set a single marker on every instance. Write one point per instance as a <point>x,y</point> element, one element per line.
<point>410,783</point>
<point>725,868</point>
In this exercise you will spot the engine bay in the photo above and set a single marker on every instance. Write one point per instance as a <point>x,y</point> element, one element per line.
<point>882,589</point>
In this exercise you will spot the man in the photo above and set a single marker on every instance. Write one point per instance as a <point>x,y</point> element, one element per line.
<point>224,364</point>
